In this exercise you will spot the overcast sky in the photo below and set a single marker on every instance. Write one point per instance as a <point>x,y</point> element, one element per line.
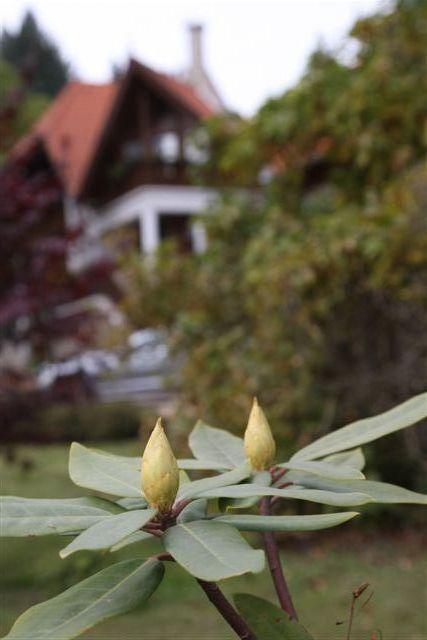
<point>253,49</point>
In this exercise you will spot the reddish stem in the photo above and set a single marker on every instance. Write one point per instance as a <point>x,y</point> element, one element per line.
<point>154,531</point>
<point>282,485</point>
<point>218,599</point>
<point>277,473</point>
<point>164,557</point>
<point>154,525</point>
<point>179,506</point>
<point>226,609</point>
<point>273,558</point>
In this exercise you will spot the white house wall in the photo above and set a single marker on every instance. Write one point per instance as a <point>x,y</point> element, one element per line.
<point>146,205</point>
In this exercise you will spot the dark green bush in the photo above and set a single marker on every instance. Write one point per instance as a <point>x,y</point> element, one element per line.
<point>91,421</point>
<point>86,421</point>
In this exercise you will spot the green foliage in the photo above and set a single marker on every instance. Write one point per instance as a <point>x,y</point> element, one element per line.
<point>40,516</point>
<point>31,51</point>
<point>286,523</point>
<point>340,499</point>
<point>366,430</point>
<point>92,420</point>
<point>208,443</point>
<point>30,107</point>
<point>313,294</point>
<point>194,532</point>
<point>268,621</point>
<point>334,563</point>
<point>108,593</point>
<point>340,471</point>
<point>212,550</point>
<point>109,531</point>
<point>213,486</point>
<point>351,125</point>
<point>101,471</point>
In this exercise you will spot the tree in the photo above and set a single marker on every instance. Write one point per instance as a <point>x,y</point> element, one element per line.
<point>29,46</point>
<point>19,107</point>
<point>35,281</point>
<point>42,308</point>
<point>319,287</point>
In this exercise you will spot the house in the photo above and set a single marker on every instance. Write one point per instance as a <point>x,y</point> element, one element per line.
<point>123,152</point>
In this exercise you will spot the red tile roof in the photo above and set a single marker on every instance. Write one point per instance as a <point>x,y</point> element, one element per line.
<point>188,95</point>
<point>71,128</point>
<point>181,91</point>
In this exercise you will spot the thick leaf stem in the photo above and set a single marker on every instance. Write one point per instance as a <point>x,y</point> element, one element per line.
<point>273,559</point>
<point>218,599</point>
<point>226,609</point>
<point>179,506</point>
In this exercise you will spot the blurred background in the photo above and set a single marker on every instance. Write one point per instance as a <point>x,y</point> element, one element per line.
<point>199,204</point>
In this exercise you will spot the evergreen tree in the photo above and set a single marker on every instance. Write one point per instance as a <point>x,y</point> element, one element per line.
<point>19,107</point>
<point>29,48</point>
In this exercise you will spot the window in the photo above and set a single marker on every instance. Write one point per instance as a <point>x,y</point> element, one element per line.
<point>166,146</point>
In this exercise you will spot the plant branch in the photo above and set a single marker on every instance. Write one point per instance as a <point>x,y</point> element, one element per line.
<point>154,531</point>
<point>355,595</point>
<point>283,485</point>
<point>179,506</point>
<point>350,618</point>
<point>277,473</point>
<point>164,557</point>
<point>226,609</point>
<point>218,599</point>
<point>273,558</point>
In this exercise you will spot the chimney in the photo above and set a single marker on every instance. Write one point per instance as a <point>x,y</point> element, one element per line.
<point>196,31</point>
<point>196,76</point>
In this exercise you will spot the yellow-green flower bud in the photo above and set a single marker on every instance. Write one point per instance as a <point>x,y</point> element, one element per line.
<point>159,473</point>
<point>259,442</point>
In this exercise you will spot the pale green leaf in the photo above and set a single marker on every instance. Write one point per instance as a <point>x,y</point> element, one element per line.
<point>109,532</point>
<point>324,469</point>
<point>212,550</point>
<point>193,489</point>
<point>267,621</point>
<point>102,471</point>
<point>312,495</point>
<point>216,445</point>
<point>137,536</point>
<point>378,491</point>
<point>353,458</point>
<point>367,430</point>
<point>246,522</point>
<point>193,464</point>
<point>132,503</point>
<point>262,478</point>
<point>113,591</point>
<point>40,517</point>
<point>196,510</point>
<point>118,475</point>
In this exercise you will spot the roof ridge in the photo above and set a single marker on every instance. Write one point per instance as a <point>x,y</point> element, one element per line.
<point>73,125</point>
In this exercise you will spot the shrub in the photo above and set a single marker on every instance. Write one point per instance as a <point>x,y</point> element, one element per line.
<point>88,421</point>
<point>198,522</point>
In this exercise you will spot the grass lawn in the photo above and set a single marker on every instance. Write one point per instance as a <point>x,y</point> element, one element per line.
<point>321,577</point>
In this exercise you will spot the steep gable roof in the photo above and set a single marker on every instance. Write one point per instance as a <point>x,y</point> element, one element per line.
<point>70,130</point>
<point>73,127</point>
<point>180,90</point>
